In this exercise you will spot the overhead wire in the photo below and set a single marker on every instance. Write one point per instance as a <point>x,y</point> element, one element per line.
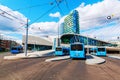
<point>31,6</point>
<point>103,32</point>
<point>112,16</point>
<point>29,11</point>
<point>112,19</point>
<point>23,8</point>
<point>43,14</point>
<point>9,14</point>
<point>66,3</point>
<point>6,17</point>
<point>57,3</point>
<point>6,12</point>
<point>12,16</point>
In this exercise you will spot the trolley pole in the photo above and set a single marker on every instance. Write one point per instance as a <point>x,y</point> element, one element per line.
<point>26,40</point>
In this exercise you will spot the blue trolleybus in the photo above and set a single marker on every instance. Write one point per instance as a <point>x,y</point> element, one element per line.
<point>60,51</point>
<point>101,51</point>
<point>16,49</point>
<point>77,51</point>
<point>98,51</point>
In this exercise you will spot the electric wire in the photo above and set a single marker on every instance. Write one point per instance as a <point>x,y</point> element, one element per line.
<point>6,17</point>
<point>51,3</point>
<point>31,6</point>
<point>103,26</point>
<point>57,3</point>
<point>66,3</point>
<point>113,30</point>
<point>43,14</point>
<point>12,16</point>
<point>24,8</point>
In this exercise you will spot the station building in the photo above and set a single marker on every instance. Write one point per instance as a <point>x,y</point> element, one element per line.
<point>71,32</point>
<point>71,38</point>
<point>37,43</point>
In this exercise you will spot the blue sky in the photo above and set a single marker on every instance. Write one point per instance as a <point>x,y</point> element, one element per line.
<point>44,5</point>
<point>92,14</point>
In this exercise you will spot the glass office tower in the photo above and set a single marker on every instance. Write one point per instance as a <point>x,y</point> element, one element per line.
<point>71,23</point>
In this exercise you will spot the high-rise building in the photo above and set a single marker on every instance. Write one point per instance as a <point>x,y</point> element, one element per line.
<point>61,28</point>
<point>71,23</point>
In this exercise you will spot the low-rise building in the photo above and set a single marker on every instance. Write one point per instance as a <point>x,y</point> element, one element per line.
<point>37,43</point>
<point>5,45</point>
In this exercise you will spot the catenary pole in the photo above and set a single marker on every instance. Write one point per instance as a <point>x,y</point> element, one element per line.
<point>26,38</point>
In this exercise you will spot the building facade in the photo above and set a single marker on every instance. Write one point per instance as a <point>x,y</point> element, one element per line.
<point>71,23</point>
<point>37,43</point>
<point>71,38</point>
<point>5,45</point>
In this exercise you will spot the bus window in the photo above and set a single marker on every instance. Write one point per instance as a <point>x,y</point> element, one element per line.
<point>58,49</point>
<point>14,48</point>
<point>77,47</point>
<point>101,49</point>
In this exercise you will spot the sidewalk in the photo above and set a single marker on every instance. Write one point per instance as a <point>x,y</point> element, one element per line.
<point>116,56</point>
<point>30,55</point>
<point>90,59</point>
<point>57,58</point>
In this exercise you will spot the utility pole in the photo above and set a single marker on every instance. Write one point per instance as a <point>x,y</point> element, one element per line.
<point>26,38</point>
<point>58,35</point>
<point>59,32</point>
<point>87,45</point>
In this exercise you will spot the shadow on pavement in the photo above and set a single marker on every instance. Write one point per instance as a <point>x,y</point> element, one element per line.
<point>89,57</point>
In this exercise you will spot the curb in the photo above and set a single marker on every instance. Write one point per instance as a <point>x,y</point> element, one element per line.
<point>115,57</point>
<point>30,55</point>
<point>95,60</point>
<point>57,58</point>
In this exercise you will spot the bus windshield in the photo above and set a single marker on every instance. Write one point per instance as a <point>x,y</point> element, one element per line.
<point>58,49</point>
<point>101,49</point>
<point>77,47</point>
<point>14,48</point>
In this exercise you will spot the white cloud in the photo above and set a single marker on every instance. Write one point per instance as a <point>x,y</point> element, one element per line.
<point>43,28</point>
<point>91,17</point>
<point>94,17</point>
<point>11,20</point>
<point>46,28</point>
<point>57,14</point>
<point>96,14</point>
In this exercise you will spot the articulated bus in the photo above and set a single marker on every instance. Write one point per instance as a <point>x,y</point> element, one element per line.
<point>77,51</point>
<point>60,51</point>
<point>98,51</point>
